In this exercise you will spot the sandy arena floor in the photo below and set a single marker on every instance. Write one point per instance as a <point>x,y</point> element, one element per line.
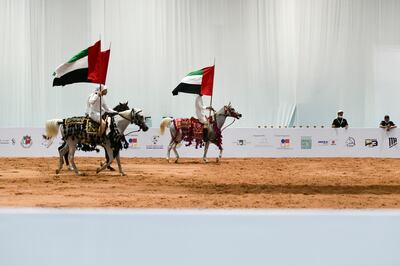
<point>234,183</point>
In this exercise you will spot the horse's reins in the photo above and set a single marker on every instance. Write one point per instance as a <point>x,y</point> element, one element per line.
<point>234,119</point>
<point>133,131</point>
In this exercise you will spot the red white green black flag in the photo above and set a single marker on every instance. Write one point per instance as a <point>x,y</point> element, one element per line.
<point>89,65</point>
<point>197,82</point>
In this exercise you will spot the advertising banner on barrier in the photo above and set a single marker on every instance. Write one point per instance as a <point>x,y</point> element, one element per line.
<point>237,142</point>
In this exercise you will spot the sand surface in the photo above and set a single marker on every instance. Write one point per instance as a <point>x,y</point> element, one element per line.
<point>233,183</point>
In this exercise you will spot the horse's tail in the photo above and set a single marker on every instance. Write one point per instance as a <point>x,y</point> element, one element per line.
<point>166,122</point>
<point>52,127</point>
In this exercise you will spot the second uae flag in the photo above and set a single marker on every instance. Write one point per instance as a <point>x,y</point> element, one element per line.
<point>197,82</point>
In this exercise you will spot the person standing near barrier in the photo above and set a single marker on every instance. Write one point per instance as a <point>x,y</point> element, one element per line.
<point>387,124</point>
<point>340,121</point>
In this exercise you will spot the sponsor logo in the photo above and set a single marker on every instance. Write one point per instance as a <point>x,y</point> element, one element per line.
<point>241,142</point>
<point>323,142</point>
<point>155,145</point>
<point>261,141</point>
<point>285,143</point>
<point>392,142</point>
<point>350,142</point>
<point>371,143</point>
<point>26,141</point>
<point>306,142</point>
<point>7,141</point>
<point>4,141</point>
<point>133,142</point>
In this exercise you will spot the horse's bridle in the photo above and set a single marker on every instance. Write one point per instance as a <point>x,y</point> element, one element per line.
<point>129,119</point>
<point>134,120</point>
<point>227,112</point>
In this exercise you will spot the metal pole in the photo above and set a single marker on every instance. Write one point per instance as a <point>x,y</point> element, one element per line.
<point>211,98</point>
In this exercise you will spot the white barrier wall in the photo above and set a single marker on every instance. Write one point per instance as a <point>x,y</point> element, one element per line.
<point>48,237</point>
<point>237,142</point>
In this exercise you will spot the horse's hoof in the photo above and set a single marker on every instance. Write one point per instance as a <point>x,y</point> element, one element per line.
<point>176,161</point>
<point>98,170</point>
<point>57,171</point>
<point>111,168</point>
<point>81,174</point>
<point>204,160</point>
<point>122,174</point>
<point>217,160</point>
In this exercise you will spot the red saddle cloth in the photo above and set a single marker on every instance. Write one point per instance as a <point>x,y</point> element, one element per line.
<point>191,129</point>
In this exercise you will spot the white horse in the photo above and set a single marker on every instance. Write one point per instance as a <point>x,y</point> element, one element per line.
<point>115,132</point>
<point>213,133</point>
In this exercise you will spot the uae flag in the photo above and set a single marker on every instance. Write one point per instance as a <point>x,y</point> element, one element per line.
<point>89,65</point>
<point>197,82</point>
<point>99,73</point>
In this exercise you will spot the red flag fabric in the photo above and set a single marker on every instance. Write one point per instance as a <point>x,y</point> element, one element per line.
<point>99,74</point>
<point>93,53</point>
<point>207,82</point>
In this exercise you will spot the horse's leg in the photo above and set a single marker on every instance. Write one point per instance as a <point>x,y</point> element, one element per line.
<point>66,158</point>
<point>206,145</point>
<point>109,151</point>
<point>119,165</point>
<point>71,156</point>
<point>171,143</point>
<point>62,151</point>
<point>106,161</point>
<point>175,151</point>
<point>220,155</point>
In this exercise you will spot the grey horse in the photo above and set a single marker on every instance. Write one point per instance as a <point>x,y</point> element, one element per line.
<point>122,120</point>
<point>219,118</point>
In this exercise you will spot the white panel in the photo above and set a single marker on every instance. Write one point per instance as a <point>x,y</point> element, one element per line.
<point>237,142</point>
<point>49,237</point>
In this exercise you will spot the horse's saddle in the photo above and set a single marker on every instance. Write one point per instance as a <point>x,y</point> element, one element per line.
<point>83,123</point>
<point>189,127</point>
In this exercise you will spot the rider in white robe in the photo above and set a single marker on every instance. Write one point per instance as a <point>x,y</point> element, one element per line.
<point>200,113</point>
<point>93,106</point>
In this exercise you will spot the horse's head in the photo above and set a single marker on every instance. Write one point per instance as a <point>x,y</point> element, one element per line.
<point>230,111</point>
<point>121,107</point>
<point>138,119</point>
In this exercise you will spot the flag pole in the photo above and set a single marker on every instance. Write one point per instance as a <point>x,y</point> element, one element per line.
<point>101,119</point>
<point>211,98</point>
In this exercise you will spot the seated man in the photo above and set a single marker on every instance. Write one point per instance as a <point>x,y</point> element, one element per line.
<point>386,123</point>
<point>200,113</point>
<point>340,121</point>
<point>94,105</point>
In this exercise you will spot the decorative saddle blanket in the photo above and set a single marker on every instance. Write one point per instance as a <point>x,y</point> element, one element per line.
<point>82,123</point>
<point>82,127</point>
<point>191,129</point>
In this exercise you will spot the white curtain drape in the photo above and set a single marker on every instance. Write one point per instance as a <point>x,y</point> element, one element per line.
<point>272,57</point>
